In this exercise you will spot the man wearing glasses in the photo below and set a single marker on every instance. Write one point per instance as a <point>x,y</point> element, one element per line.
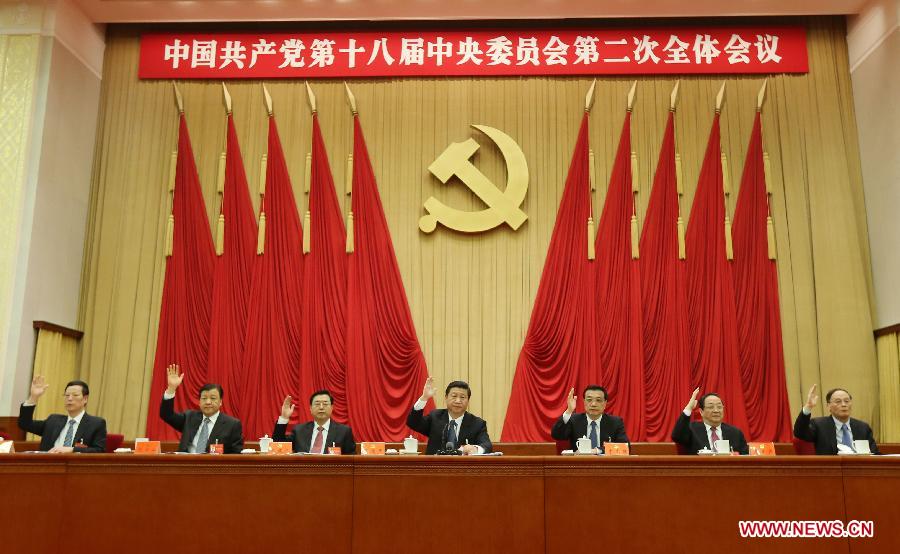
<point>594,424</point>
<point>320,434</point>
<point>60,434</point>
<point>838,429</point>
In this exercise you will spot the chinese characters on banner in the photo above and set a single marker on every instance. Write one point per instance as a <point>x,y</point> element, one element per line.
<point>677,50</point>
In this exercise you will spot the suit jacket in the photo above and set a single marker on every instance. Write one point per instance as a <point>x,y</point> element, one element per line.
<point>692,435</point>
<point>434,426</point>
<point>91,431</point>
<point>227,430</point>
<point>823,432</point>
<point>302,435</point>
<point>612,429</point>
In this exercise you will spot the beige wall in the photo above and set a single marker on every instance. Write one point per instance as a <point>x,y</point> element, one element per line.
<point>876,90</point>
<point>50,96</point>
<point>471,296</point>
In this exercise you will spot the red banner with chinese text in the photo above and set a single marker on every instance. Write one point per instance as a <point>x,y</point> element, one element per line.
<point>675,50</point>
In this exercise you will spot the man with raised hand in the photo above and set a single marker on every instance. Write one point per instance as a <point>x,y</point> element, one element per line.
<point>316,436</point>
<point>453,427</point>
<point>60,434</point>
<point>201,428</point>
<point>594,424</point>
<point>838,428</point>
<point>702,435</point>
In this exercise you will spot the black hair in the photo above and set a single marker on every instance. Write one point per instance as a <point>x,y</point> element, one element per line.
<point>596,387</point>
<point>84,388</point>
<point>707,395</point>
<point>827,395</point>
<point>320,393</point>
<point>212,386</point>
<point>458,385</point>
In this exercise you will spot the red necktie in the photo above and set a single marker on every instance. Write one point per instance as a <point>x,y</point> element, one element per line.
<point>317,444</point>
<point>713,437</point>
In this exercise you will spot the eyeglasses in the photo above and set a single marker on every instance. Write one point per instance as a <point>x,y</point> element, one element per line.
<point>844,401</point>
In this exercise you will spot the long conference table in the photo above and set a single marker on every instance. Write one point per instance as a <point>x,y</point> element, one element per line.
<point>372,504</point>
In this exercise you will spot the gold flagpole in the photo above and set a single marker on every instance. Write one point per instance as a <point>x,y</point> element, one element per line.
<point>591,232</point>
<point>729,246</point>
<point>350,244</point>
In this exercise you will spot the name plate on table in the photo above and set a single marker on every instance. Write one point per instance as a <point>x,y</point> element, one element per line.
<point>147,447</point>
<point>7,447</point>
<point>616,448</point>
<point>371,448</point>
<point>280,448</point>
<point>761,448</point>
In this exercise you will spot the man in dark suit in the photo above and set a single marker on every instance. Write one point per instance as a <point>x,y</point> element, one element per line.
<point>593,423</point>
<point>75,432</point>
<point>700,435</point>
<point>199,429</point>
<point>318,435</point>
<point>453,426</point>
<point>838,428</point>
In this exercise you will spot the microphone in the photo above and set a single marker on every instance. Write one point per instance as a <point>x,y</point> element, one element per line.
<point>448,449</point>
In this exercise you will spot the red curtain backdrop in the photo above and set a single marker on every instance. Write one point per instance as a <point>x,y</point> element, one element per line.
<point>271,364</point>
<point>560,340</point>
<point>712,322</point>
<point>184,318</point>
<point>233,273</point>
<point>667,362</point>
<point>618,313</point>
<point>385,366</point>
<point>756,296</point>
<point>323,352</point>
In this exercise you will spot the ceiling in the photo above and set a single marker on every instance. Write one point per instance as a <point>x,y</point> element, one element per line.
<point>134,11</point>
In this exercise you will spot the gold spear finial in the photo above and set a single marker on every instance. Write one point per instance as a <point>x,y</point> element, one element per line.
<point>589,97</point>
<point>761,97</point>
<point>720,98</point>
<point>351,99</point>
<point>630,104</point>
<point>312,98</point>
<point>268,99</point>
<point>179,101</point>
<point>227,98</point>
<point>673,98</point>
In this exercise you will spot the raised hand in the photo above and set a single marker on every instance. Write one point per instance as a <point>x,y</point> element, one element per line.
<point>174,377</point>
<point>570,402</point>
<point>38,387</point>
<point>428,390</point>
<point>812,398</point>
<point>287,408</point>
<point>692,403</point>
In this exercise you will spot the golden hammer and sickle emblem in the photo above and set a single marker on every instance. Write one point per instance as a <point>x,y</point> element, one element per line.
<point>502,207</point>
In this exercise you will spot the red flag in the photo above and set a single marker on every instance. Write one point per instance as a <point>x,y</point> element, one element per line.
<point>619,327</point>
<point>385,365</point>
<point>271,364</point>
<point>711,313</point>
<point>183,336</point>
<point>756,295</point>
<point>558,344</point>
<point>231,290</point>
<point>667,368</point>
<point>323,353</point>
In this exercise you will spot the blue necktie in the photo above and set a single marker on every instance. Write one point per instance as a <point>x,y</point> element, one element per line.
<point>69,433</point>
<point>845,437</point>
<point>204,436</point>
<point>451,434</point>
<point>594,442</point>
